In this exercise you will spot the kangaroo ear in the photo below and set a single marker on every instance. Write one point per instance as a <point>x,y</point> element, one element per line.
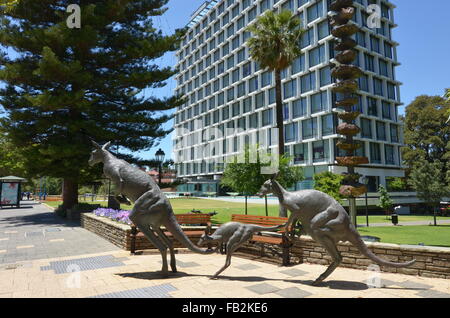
<point>96,145</point>
<point>276,175</point>
<point>106,146</point>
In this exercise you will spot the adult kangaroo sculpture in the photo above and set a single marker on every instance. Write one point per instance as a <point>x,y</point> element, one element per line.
<point>325,220</point>
<point>151,210</point>
<point>233,234</point>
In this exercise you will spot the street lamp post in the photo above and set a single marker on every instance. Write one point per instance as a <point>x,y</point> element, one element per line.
<point>160,158</point>
<point>366,182</point>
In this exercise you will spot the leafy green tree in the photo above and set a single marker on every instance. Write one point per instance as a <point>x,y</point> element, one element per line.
<point>244,175</point>
<point>65,86</point>
<point>397,184</point>
<point>275,44</point>
<point>329,183</point>
<point>428,180</point>
<point>11,161</point>
<point>427,136</point>
<point>385,200</point>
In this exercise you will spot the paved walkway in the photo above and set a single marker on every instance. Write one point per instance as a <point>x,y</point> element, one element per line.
<point>72,262</point>
<point>35,232</point>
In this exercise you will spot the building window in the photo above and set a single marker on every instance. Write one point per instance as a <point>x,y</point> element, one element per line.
<point>300,153</point>
<point>290,89</point>
<point>389,154</point>
<point>394,133</point>
<point>321,151</point>
<point>267,117</point>
<point>381,131</point>
<point>319,102</point>
<point>372,106</point>
<point>366,128</point>
<point>299,108</point>
<point>328,124</point>
<point>309,128</point>
<point>375,153</point>
<point>386,110</point>
<point>291,132</point>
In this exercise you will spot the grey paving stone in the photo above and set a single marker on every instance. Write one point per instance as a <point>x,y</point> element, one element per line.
<point>84,264</point>
<point>293,272</point>
<point>247,267</point>
<point>432,294</point>
<point>413,285</point>
<point>34,234</point>
<point>184,264</point>
<point>293,292</point>
<point>159,291</point>
<point>263,288</point>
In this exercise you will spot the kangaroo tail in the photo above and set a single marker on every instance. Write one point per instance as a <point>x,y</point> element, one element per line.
<point>173,227</point>
<point>268,229</point>
<point>362,247</point>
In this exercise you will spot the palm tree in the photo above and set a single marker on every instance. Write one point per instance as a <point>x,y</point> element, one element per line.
<point>275,44</point>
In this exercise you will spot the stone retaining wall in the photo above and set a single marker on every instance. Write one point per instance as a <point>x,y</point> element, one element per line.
<point>430,261</point>
<point>120,234</point>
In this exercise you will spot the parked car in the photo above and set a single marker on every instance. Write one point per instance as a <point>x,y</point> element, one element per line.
<point>444,209</point>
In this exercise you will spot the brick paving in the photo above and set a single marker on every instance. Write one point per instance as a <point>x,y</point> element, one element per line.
<point>101,270</point>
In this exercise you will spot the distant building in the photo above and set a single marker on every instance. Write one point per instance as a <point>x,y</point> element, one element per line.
<point>166,177</point>
<point>225,89</point>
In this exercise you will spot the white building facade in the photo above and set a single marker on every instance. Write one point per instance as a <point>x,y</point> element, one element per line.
<point>230,101</point>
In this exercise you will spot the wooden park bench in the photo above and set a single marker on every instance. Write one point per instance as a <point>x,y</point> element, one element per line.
<point>267,221</point>
<point>183,219</point>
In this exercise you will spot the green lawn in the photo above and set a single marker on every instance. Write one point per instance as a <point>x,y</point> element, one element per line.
<point>412,235</point>
<point>225,209</point>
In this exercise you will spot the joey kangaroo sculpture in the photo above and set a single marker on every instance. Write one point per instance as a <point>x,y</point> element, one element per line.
<point>233,234</point>
<point>152,209</point>
<point>325,220</point>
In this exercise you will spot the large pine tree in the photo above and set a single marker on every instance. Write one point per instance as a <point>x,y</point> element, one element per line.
<point>64,86</point>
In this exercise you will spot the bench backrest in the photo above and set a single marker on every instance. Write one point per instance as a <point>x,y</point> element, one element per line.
<point>266,221</point>
<point>193,218</point>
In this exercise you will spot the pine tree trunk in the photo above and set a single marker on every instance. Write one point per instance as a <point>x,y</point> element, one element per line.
<point>279,112</point>
<point>70,193</point>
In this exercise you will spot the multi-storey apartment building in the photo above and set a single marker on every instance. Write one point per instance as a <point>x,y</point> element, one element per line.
<point>230,100</point>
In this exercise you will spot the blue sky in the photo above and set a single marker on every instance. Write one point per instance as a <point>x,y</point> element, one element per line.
<point>423,33</point>
<point>424,52</point>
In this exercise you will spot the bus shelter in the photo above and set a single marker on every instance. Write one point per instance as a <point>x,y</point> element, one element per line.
<point>11,191</point>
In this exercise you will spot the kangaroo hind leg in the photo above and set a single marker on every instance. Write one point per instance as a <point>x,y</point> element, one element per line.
<point>331,248</point>
<point>169,244</point>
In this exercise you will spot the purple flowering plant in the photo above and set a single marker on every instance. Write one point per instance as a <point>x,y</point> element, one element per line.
<point>122,216</point>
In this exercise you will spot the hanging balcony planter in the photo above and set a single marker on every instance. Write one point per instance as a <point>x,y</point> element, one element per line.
<point>347,129</point>
<point>345,30</point>
<point>346,57</point>
<point>345,44</point>
<point>352,191</point>
<point>345,87</point>
<point>344,145</point>
<point>352,161</point>
<point>337,5</point>
<point>349,117</point>
<point>347,72</point>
